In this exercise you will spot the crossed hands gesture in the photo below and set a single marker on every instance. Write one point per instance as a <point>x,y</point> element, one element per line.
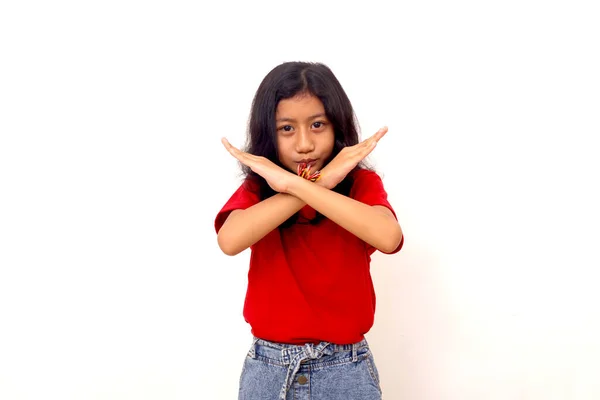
<point>333,173</point>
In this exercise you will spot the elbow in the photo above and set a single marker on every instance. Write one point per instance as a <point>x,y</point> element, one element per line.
<point>393,240</point>
<point>225,245</point>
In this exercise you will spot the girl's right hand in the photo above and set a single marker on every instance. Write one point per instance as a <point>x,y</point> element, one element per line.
<point>277,177</point>
<point>347,159</point>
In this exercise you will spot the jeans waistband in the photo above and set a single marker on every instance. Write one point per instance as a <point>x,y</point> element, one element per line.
<point>293,355</point>
<point>295,348</point>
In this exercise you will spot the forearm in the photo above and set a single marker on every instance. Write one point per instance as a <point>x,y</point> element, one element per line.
<point>243,228</point>
<point>368,223</point>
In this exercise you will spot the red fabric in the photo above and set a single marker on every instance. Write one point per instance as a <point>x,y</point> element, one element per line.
<point>311,283</point>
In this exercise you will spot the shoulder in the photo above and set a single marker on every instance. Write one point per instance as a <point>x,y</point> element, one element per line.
<point>367,187</point>
<point>247,195</point>
<point>250,184</point>
<point>364,174</point>
<point>365,179</point>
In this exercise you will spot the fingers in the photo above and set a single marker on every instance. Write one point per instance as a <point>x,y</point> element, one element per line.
<point>245,158</point>
<point>379,134</point>
<point>367,146</point>
<point>240,155</point>
<point>228,145</point>
<point>370,143</point>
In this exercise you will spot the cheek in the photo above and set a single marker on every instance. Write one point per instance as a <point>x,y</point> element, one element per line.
<point>329,142</point>
<point>282,150</point>
<point>279,146</point>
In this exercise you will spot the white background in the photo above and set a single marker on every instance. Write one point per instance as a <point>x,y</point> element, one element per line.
<point>112,285</point>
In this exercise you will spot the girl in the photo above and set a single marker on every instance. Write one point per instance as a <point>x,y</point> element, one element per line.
<point>312,215</point>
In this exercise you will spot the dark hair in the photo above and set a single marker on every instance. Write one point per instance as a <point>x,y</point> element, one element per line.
<point>286,81</point>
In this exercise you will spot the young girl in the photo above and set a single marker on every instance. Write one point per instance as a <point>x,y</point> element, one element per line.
<point>312,215</point>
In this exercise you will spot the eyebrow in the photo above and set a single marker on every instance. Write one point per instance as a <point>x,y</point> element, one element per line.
<point>293,120</point>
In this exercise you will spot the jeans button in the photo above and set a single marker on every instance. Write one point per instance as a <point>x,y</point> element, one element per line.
<point>302,380</point>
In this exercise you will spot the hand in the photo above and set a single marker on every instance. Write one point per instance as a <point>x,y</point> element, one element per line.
<point>277,177</point>
<point>347,159</point>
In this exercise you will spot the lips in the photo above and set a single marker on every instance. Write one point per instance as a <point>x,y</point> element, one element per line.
<point>309,162</point>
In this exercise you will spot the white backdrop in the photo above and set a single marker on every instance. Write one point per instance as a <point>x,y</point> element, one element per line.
<point>112,285</point>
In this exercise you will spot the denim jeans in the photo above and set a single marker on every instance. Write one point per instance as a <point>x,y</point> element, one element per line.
<point>326,371</point>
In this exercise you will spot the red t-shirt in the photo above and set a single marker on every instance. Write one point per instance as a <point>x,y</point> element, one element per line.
<point>311,283</point>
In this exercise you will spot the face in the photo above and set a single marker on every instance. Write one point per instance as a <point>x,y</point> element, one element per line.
<point>304,134</point>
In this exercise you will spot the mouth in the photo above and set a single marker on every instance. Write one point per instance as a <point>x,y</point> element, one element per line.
<point>307,162</point>
<point>305,167</point>
<point>306,171</point>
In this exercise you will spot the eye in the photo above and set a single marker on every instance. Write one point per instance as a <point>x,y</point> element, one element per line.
<point>318,124</point>
<point>286,128</point>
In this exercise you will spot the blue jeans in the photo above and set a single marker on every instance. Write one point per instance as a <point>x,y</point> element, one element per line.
<point>326,371</point>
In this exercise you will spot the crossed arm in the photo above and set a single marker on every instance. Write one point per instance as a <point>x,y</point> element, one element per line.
<point>376,225</point>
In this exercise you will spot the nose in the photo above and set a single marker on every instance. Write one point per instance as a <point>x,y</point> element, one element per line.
<point>304,141</point>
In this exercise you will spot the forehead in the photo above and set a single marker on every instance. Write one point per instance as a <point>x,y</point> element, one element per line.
<point>299,107</point>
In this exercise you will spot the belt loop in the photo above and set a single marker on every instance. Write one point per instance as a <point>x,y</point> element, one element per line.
<point>286,357</point>
<point>354,355</point>
<point>252,352</point>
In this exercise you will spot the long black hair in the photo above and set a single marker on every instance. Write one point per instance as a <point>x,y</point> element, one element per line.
<point>286,81</point>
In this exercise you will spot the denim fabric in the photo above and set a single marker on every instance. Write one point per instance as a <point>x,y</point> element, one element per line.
<point>326,371</point>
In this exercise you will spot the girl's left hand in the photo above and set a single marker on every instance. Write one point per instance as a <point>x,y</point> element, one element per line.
<point>276,177</point>
<point>347,159</point>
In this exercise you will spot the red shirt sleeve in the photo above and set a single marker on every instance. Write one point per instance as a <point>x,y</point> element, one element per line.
<point>368,188</point>
<point>246,196</point>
